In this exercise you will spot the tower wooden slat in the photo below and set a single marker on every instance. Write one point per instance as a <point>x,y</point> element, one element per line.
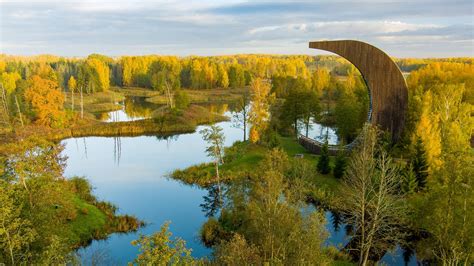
<point>387,87</point>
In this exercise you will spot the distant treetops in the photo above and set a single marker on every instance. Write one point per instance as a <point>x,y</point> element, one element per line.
<point>330,78</point>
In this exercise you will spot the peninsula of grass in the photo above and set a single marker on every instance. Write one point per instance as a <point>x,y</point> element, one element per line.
<point>242,158</point>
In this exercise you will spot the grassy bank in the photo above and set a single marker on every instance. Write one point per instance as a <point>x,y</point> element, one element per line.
<point>165,123</point>
<point>218,95</point>
<point>94,219</point>
<point>135,91</point>
<point>205,96</point>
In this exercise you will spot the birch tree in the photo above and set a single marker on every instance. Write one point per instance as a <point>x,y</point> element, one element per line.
<point>241,116</point>
<point>370,196</point>
<point>215,138</point>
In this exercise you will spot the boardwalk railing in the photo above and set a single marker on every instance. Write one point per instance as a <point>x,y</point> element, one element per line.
<point>315,146</point>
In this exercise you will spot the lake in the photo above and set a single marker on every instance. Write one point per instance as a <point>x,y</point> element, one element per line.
<point>131,172</point>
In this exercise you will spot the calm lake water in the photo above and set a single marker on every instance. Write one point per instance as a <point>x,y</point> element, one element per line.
<point>131,172</point>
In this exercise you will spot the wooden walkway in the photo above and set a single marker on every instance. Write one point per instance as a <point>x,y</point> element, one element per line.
<point>314,146</point>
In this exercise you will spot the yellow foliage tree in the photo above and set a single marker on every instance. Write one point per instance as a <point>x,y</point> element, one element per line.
<point>428,131</point>
<point>101,73</point>
<point>46,100</point>
<point>260,109</point>
<point>3,66</point>
<point>320,80</point>
<point>8,80</point>
<point>223,77</point>
<point>72,85</point>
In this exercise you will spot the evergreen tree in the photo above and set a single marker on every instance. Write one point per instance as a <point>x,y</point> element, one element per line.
<point>340,165</point>
<point>419,164</point>
<point>323,162</point>
<point>409,183</point>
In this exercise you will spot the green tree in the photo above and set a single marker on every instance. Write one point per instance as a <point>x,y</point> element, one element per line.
<point>237,252</point>
<point>160,249</point>
<point>419,164</point>
<point>323,160</point>
<point>348,118</point>
<point>236,76</point>
<point>215,138</point>
<point>273,224</point>
<point>181,100</point>
<point>16,232</point>
<point>165,77</point>
<point>446,212</point>
<point>340,164</point>
<point>301,105</point>
<point>409,184</point>
<point>370,189</point>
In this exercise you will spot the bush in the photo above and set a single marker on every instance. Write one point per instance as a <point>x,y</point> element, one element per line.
<point>181,100</point>
<point>82,188</point>
<point>84,211</point>
<point>211,233</point>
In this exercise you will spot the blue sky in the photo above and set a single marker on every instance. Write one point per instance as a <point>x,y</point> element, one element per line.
<point>403,28</point>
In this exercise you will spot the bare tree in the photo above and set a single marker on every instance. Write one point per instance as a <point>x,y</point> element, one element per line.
<point>241,116</point>
<point>82,105</point>
<point>370,196</point>
<point>19,110</point>
<point>169,94</point>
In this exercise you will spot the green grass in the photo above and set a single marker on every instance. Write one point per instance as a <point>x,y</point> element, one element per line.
<point>95,102</point>
<point>135,91</point>
<point>252,155</point>
<point>205,96</point>
<point>325,182</point>
<point>89,220</point>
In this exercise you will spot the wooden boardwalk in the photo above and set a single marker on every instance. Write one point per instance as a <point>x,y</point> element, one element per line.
<point>314,146</point>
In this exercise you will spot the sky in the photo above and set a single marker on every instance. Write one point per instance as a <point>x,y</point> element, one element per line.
<point>402,28</point>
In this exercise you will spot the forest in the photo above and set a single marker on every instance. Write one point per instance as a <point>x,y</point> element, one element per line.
<point>415,194</point>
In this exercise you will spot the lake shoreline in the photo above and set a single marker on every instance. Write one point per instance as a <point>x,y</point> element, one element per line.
<point>168,124</point>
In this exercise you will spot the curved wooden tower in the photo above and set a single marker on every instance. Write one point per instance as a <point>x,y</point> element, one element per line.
<point>387,87</point>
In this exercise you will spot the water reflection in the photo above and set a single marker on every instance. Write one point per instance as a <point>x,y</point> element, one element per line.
<point>212,202</point>
<point>319,132</point>
<point>133,108</point>
<point>341,232</point>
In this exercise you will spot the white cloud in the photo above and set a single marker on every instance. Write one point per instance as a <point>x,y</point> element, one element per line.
<point>197,19</point>
<point>79,27</point>
<point>342,27</point>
